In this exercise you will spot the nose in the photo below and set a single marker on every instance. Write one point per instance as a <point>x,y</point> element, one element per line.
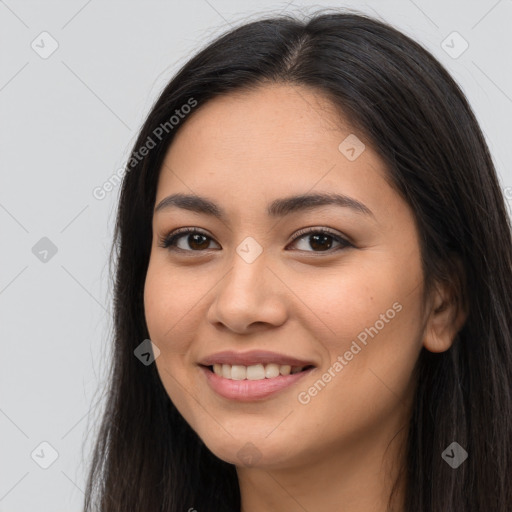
<point>248,298</point>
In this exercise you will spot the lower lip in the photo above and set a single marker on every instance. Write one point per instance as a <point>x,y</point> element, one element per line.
<point>249,390</point>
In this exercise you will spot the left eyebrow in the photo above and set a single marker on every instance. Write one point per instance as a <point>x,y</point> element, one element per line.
<point>277,208</point>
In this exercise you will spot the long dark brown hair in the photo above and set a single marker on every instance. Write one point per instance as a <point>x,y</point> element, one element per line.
<point>146,457</point>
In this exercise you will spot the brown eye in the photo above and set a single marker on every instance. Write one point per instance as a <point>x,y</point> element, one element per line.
<point>321,240</point>
<point>194,241</point>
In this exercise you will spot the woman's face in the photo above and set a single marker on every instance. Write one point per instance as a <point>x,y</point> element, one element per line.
<point>251,293</point>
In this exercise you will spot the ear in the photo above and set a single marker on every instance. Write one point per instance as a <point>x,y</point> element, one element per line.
<point>446,317</point>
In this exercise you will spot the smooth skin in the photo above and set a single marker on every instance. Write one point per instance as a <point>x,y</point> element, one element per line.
<point>308,299</point>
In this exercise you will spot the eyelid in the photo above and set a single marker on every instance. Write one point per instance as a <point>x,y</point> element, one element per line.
<point>344,241</point>
<point>172,236</point>
<point>324,230</point>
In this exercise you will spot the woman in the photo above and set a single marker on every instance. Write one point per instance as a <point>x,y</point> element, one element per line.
<point>313,237</point>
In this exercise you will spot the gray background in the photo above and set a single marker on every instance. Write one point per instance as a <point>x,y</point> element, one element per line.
<point>67,124</point>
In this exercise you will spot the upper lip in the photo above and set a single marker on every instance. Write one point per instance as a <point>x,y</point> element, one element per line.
<point>252,357</point>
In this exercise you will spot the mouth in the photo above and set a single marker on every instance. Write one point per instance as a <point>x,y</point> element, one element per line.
<point>255,372</point>
<point>252,383</point>
<point>252,375</point>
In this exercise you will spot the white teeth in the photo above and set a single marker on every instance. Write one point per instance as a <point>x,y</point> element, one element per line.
<point>271,370</point>
<point>255,371</point>
<point>238,372</point>
<point>226,371</point>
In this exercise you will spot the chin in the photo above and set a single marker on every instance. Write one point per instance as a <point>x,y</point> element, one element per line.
<point>247,451</point>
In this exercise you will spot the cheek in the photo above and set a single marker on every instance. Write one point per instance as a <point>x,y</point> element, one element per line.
<point>371,353</point>
<point>158,308</point>
<point>166,319</point>
<point>370,312</point>
<point>377,318</point>
<point>165,315</point>
<point>171,299</point>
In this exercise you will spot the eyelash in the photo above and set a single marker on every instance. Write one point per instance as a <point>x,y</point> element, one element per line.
<point>169,240</point>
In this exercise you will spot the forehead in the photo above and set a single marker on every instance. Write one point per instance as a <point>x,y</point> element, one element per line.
<point>273,141</point>
<point>281,116</point>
